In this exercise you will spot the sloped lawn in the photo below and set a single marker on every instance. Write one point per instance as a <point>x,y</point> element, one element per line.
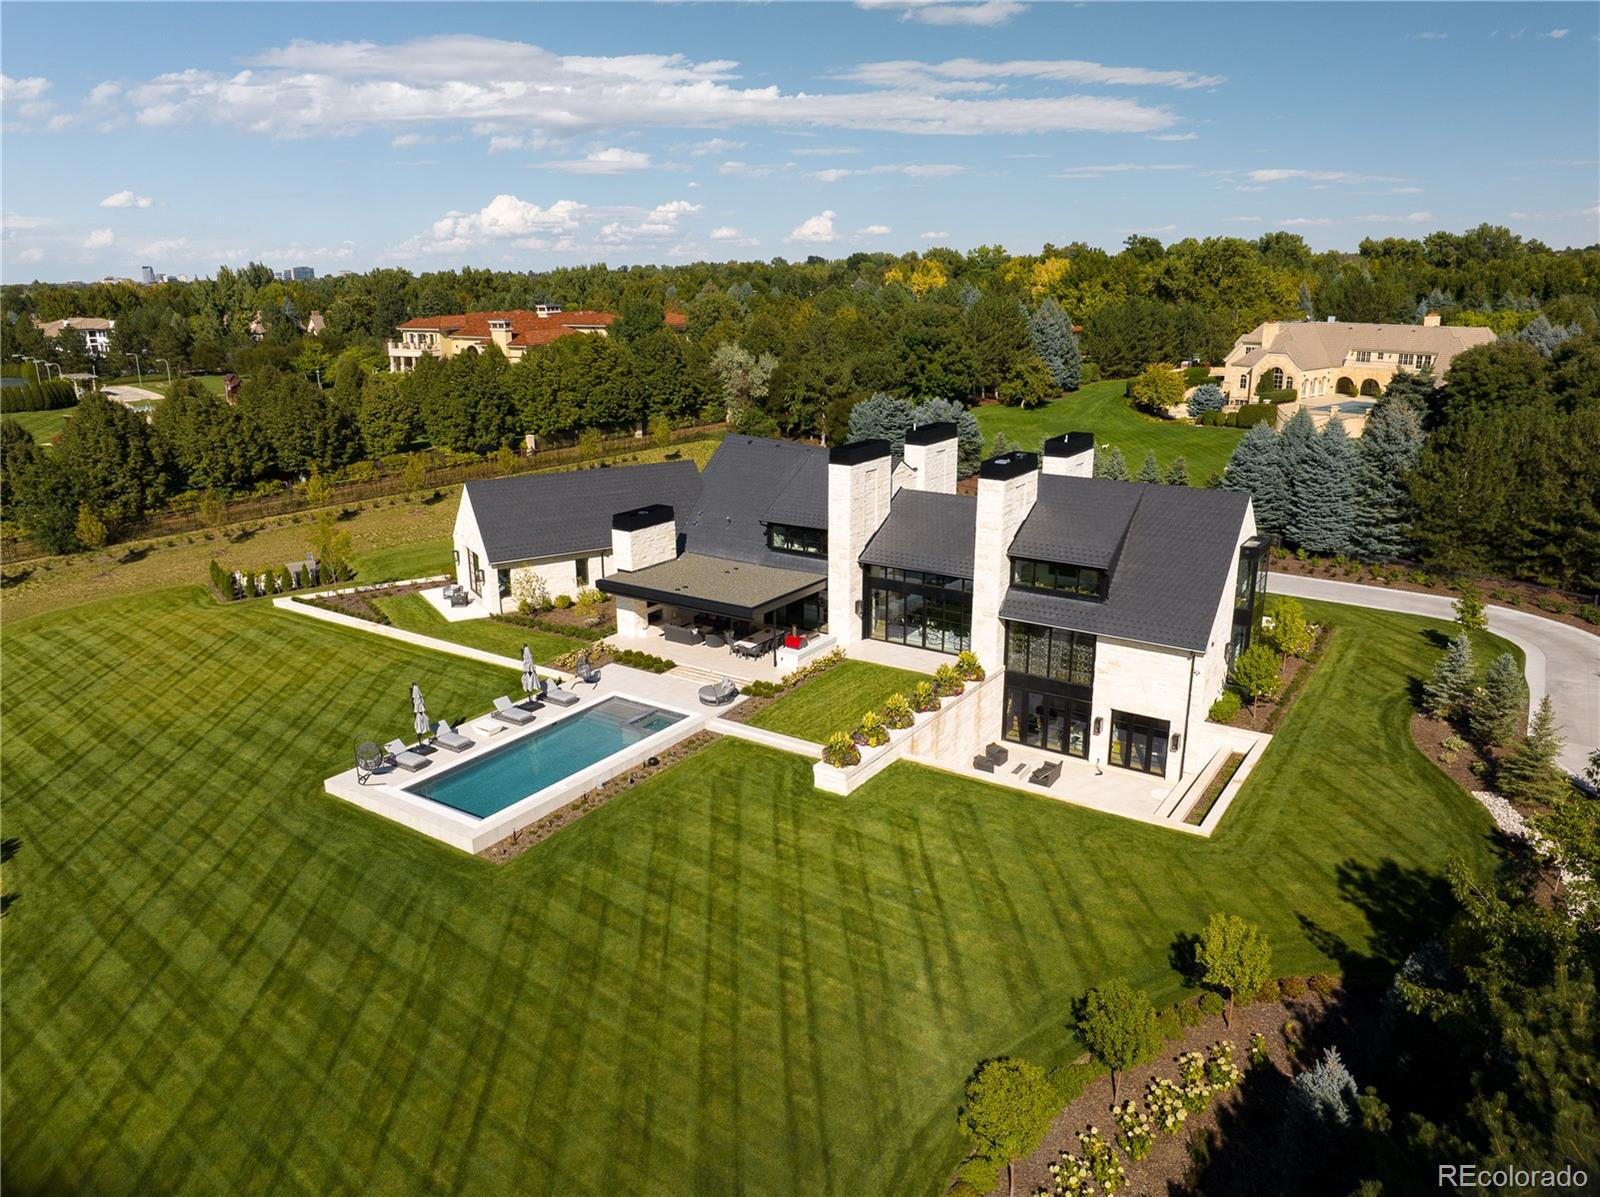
<point>836,700</point>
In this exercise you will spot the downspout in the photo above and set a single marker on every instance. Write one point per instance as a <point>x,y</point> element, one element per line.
<point>1188,706</point>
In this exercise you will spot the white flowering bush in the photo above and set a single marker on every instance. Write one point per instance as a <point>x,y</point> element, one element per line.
<point>1221,1072</point>
<point>1102,1159</point>
<point>1258,1050</point>
<point>1138,1132</point>
<point>1194,1086</point>
<point>1165,1102</point>
<point>1073,1177</point>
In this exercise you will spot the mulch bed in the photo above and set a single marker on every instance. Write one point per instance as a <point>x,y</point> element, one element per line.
<point>359,602</point>
<point>1429,735</point>
<point>1519,596</point>
<point>1296,671</point>
<point>518,842</point>
<point>570,619</point>
<point>1246,1119</point>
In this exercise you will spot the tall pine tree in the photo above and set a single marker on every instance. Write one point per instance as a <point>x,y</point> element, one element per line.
<point>1385,456</point>
<point>1051,334</point>
<point>1149,469</point>
<point>1110,463</point>
<point>1448,691</point>
<point>1322,498</point>
<point>1257,467</point>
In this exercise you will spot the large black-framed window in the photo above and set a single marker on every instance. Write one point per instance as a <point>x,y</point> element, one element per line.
<point>790,538</point>
<point>1249,594</point>
<point>1055,653</point>
<point>1139,742</point>
<point>1082,580</point>
<point>918,608</point>
<point>1045,715</point>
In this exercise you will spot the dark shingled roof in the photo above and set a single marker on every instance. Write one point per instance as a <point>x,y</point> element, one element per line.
<point>926,531</point>
<point>549,515</point>
<point>1175,556</point>
<point>745,478</point>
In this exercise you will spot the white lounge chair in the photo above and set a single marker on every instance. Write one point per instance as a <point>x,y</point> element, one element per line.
<point>555,694</point>
<point>403,758</point>
<point>509,712</point>
<point>446,737</point>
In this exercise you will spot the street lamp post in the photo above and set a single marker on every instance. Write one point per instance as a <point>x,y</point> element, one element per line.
<point>138,372</point>
<point>168,365</point>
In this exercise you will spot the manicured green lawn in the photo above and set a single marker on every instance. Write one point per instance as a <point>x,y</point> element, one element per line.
<point>412,612</point>
<point>836,700</point>
<point>397,563</point>
<point>220,980</point>
<point>43,424</point>
<point>1101,408</point>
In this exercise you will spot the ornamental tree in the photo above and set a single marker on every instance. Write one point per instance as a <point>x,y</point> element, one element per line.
<point>1234,956</point>
<point>1207,397</point>
<point>1447,693</point>
<point>1157,388</point>
<point>1118,1025</point>
<point>1255,675</point>
<point>1257,466</point>
<point>1500,707</point>
<point>1030,383</point>
<point>1530,772</point>
<point>1149,469</point>
<point>1008,1110</point>
<point>1468,607</point>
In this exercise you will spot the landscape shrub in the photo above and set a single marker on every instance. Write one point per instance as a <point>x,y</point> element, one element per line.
<point>1189,1014</point>
<point>1136,1128</point>
<point>1252,414</point>
<point>1194,376</point>
<point>1169,1024</point>
<point>562,602</point>
<point>968,667</point>
<point>1068,1081</point>
<point>762,690</point>
<point>947,682</point>
<point>923,698</point>
<point>980,1173</point>
<point>872,731</point>
<point>1258,1049</point>
<point>635,659</point>
<point>572,630</point>
<point>897,712</point>
<point>1268,992</point>
<point>1212,1003</point>
<point>1292,987</point>
<point>840,751</point>
<point>1290,633</point>
<point>1225,708</point>
<point>964,1188</point>
<point>1324,984</point>
<point>1552,603</point>
<point>1589,613</point>
<point>1269,396</point>
<point>1087,373</point>
<point>38,396</point>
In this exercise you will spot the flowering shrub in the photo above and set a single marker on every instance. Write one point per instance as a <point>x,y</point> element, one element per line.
<point>1221,1072</point>
<point>1292,987</point>
<point>1102,1159</point>
<point>1258,1049</point>
<point>1138,1133</point>
<point>897,711</point>
<point>947,682</point>
<point>1072,1176</point>
<point>813,667</point>
<point>840,751</point>
<point>872,731</point>
<point>1324,984</point>
<point>1195,1088</point>
<point>1165,1101</point>
<point>923,698</point>
<point>967,666</point>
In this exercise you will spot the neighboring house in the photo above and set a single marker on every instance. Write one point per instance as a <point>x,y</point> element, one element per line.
<point>1322,362</point>
<point>1112,609</point>
<point>96,331</point>
<point>315,325</point>
<point>515,332</point>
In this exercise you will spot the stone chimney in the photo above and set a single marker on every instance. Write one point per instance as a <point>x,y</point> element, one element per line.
<point>1007,488</point>
<point>1070,455</point>
<point>932,452</point>
<point>500,333</point>
<point>858,502</point>
<point>1431,320</point>
<point>1269,332</point>
<point>640,537</point>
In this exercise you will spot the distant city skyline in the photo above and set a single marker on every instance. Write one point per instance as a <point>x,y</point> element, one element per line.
<point>185,137</point>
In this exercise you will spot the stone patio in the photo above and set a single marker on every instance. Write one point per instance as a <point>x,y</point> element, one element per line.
<point>435,599</point>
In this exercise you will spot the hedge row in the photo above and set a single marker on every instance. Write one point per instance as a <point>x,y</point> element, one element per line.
<point>38,396</point>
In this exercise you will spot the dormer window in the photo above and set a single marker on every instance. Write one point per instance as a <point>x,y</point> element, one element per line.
<point>1083,580</point>
<point>788,538</point>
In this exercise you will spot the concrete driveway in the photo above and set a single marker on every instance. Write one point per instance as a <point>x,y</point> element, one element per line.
<point>131,395</point>
<point>1562,661</point>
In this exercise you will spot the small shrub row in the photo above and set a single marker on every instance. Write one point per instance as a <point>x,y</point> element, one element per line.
<point>899,712</point>
<point>267,580</point>
<point>634,659</point>
<point>805,673</point>
<point>358,609</point>
<point>556,628</point>
<point>38,396</point>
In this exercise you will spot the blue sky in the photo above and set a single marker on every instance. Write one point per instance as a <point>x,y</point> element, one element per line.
<point>344,136</point>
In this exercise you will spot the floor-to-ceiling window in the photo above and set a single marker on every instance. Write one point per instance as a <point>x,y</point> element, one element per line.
<point>1138,742</point>
<point>1049,685</point>
<point>1249,594</point>
<point>923,610</point>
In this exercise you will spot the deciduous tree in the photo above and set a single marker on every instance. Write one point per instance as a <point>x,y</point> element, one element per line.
<point>1234,956</point>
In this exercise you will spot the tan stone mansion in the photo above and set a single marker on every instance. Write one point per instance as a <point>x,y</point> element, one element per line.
<point>1324,360</point>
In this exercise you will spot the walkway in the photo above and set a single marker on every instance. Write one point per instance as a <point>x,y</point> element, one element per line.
<point>1562,661</point>
<point>131,396</point>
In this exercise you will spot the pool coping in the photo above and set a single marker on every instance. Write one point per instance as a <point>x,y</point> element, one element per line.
<point>389,794</point>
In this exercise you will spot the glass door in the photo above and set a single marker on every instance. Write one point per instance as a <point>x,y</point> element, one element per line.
<point>1139,743</point>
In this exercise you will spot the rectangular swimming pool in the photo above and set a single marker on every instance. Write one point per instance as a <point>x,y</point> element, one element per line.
<point>508,775</point>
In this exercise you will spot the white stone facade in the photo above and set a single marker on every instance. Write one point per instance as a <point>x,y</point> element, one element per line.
<point>1003,503</point>
<point>934,466</point>
<point>644,547</point>
<point>858,503</point>
<point>481,578</point>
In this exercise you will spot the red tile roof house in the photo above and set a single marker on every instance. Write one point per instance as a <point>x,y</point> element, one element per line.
<point>515,332</point>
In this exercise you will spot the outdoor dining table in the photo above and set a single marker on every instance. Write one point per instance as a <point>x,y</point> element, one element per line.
<point>753,645</point>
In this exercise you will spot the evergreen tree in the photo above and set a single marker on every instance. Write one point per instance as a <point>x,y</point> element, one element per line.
<point>1500,708</point>
<point>1545,336</point>
<point>1385,456</point>
<point>969,437</point>
<point>882,417</point>
<point>1257,467</point>
<point>1110,463</point>
<point>1051,333</point>
<point>1322,504</point>
<point>1449,690</point>
<point>1178,472</point>
<point>1207,397</point>
<point>1299,434</point>
<point>1149,469</point>
<point>1410,390</point>
<point>1530,772</point>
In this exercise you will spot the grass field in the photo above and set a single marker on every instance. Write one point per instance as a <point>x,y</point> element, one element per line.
<point>43,425</point>
<point>220,980</point>
<point>1102,409</point>
<point>836,700</point>
<point>412,612</point>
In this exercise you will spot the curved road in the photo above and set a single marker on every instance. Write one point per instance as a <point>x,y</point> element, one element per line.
<point>1562,661</point>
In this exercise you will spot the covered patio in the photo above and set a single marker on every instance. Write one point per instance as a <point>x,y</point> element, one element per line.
<point>697,600</point>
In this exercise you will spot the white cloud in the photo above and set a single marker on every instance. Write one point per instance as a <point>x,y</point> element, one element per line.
<point>1408,218</point>
<point>729,235</point>
<point>818,230</point>
<point>874,230</point>
<point>127,199</point>
<point>1558,34</point>
<point>99,239</point>
<point>1160,228</point>
<point>406,140</point>
<point>1284,175</point>
<point>826,151</point>
<point>502,218</point>
<point>716,145</point>
<point>931,170</point>
<point>15,222</point>
<point>498,88</point>
<point>31,256</point>
<point>939,236</point>
<point>940,12</point>
<point>1243,219</point>
<point>973,74</point>
<point>753,170</point>
<point>1305,222</point>
<point>1115,168</point>
<point>501,143</point>
<point>20,91</point>
<point>659,223</point>
<point>1173,137</point>
<point>1431,35</point>
<point>610,161</point>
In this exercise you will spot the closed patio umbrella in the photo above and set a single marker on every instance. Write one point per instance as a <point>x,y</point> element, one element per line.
<point>530,678</point>
<point>419,712</point>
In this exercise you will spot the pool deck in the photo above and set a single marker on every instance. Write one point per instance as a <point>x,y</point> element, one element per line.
<point>385,792</point>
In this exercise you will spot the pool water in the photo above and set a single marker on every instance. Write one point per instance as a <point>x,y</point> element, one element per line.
<point>508,775</point>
